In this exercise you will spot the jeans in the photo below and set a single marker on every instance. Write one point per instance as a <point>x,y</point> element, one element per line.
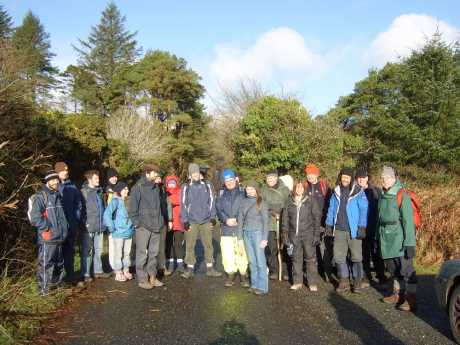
<point>342,244</point>
<point>121,254</point>
<point>91,252</point>
<point>234,256</point>
<point>257,260</point>
<point>147,248</point>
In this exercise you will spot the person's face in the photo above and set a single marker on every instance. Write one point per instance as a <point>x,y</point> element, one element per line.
<point>299,189</point>
<point>157,179</point>
<point>172,185</point>
<point>363,181</point>
<point>53,184</point>
<point>251,191</point>
<point>271,180</point>
<point>63,175</point>
<point>230,183</point>
<point>151,176</point>
<point>124,193</point>
<point>113,180</point>
<point>345,180</point>
<point>93,181</point>
<point>388,182</point>
<point>196,176</point>
<point>312,178</point>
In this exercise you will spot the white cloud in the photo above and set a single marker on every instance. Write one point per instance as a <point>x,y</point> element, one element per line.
<point>405,34</point>
<point>278,55</point>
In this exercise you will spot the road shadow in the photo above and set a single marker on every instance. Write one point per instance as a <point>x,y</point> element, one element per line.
<point>234,333</point>
<point>357,320</point>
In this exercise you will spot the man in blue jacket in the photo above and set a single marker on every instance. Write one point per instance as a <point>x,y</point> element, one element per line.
<point>347,221</point>
<point>46,214</point>
<point>72,202</point>
<point>198,214</point>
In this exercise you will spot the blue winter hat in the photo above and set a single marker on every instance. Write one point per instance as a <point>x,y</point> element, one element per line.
<point>228,174</point>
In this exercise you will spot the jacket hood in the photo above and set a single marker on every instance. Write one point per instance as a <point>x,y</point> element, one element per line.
<point>393,190</point>
<point>171,178</point>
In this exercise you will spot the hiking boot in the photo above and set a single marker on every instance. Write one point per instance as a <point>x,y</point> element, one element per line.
<point>180,267</point>
<point>313,288</point>
<point>357,286</point>
<point>145,286</point>
<point>296,286</point>
<point>167,272</point>
<point>251,290</point>
<point>211,272</point>
<point>344,285</point>
<point>229,282</point>
<point>188,273</point>
<point>244,281</point>
<point>155,282</point>
<point>396,298</point>
<point>273,276</point>
<point>410,303</point>
<point>102,275</point>
<point>285,277</point>
<point>88,279</point>
<point>259,292</point>
<point>365,283</point>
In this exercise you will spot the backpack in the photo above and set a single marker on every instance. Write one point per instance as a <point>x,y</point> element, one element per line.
<point>31,201</point>
<point>415,203</point>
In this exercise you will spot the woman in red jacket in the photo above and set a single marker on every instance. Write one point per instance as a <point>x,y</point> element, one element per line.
<point>175,242</point>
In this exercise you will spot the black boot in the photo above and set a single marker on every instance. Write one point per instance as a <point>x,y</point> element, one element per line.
<point>230,280</point>
<point>244,281</point>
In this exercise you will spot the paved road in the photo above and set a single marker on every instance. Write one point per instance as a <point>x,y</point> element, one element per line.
<point>202,311</point>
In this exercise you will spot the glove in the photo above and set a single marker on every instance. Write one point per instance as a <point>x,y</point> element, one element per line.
<point>213,222</point>
<point>186,226</point>
<point>361,233</point>
<point>46,235</point>
<point>409,252</point>
<point>329,231</point>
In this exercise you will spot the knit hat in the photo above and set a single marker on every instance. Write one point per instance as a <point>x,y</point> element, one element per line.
<point>193,168</point>
<point>228,174</point>
<point>346,171</point>
<point>312,169</point>
<point>50,175</point>
<point>388,171</point>
<point>119,187</point>
<point>361,172</point>
<point>272,173</point>
<point>253,184</point>
<point>111,173</point>
<point>60,166</point>
<point>204,169</point>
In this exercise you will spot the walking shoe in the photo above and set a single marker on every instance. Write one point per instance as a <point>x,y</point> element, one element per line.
<point>229,282</point>
<point>296,287</point>
<point>365,283</point>
<point>167,272</point>
<point>188,273</point>
<point>155,282</point>
<point>145,285</point>
<point>410,303</point>
<point>273,276</point>
<point>87,279</point>
<point>211,272</point>
<point>396,298</point>
<point>285,277</point>
<point>251,290</point>
<point>357,286</point>
<point>313,288</point>
<point>259,292</point>
<point>120,277</point>
<point>344,285</point>
<point>244,281</point>
<point>180,267</point>
<point>128,275</point>
<point>102,275</point>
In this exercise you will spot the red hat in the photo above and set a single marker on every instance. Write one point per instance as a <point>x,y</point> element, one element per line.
<point>312,169</point>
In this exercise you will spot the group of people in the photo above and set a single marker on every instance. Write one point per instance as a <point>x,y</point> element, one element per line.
<point>285,229</point>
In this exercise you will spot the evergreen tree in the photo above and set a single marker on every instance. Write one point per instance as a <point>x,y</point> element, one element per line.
<point>104,58</point>
<point>6,24</point>
<point>33,45</point>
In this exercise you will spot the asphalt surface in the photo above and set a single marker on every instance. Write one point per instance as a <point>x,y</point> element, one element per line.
<point>203,311</point>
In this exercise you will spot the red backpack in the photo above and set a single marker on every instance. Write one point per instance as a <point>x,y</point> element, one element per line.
<point>415,203</point>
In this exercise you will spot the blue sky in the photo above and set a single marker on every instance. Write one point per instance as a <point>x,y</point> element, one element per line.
<point>314,50</point>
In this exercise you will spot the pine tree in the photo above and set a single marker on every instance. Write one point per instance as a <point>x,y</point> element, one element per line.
<point>33,45</point>
<point>6,24</point>
<point>109,49</point>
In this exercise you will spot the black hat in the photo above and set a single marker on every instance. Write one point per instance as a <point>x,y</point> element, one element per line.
<point>111,173</point>
<point>347,171</point>
<point>50,175</point>
<point>119,187</point>
<point>361,172</point>
<point>273,172</point>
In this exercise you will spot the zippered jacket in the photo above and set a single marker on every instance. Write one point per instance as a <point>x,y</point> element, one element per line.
<point>198,204</point>
<point>116,219</point>
<point>227,206</point>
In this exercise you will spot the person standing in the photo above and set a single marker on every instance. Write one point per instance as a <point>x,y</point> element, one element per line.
<point>347,221</point>
<point>112,179</point>
<point>147,211</point>
<point>233,252</point>
<point>46,213</point>
<point>92,236</point>
<point>301,228</point>
<point>396,233</point>
<point>163,232</point>
<point>275,194</point>
<point>73,206</point>
<point>198,213</point>
<point>253,223</point>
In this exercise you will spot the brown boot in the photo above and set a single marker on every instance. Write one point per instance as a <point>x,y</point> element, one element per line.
<point>396,298</point>
<point>410,303</point>
<point>344,285</point>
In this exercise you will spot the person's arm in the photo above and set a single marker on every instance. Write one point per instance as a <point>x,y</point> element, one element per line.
<point>265,221</point>
<point>212,200</point>
<point>108,215</point>
<point>331,211</point>
<point>78,204</point>
<point>133,209</point>
<point>183,207</point>
<point>37,215</point>
<point>240,219</point>
<point>363,205</point>
<point>220,211</point>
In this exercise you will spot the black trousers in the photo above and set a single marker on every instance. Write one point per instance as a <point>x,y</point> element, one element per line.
<point>304,253</point>
<point>50,270</point>
<point>271,253</point>
<point>175,245</point>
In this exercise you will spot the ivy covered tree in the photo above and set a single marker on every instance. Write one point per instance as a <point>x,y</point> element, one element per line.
<point>99,80</point>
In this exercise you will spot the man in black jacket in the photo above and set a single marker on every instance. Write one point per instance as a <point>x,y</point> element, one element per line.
<point>147,210</point>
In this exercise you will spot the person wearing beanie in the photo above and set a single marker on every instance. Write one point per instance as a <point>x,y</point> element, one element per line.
<point>396,234</point>
<point>253,226</point>
<point>46,214</point>
<point>198,214</point>
<point>320,191</point>
<point>72,201</point>
<point>346,221</point>
<point>275,195</point>
<point>233,252</point>
<point>121,228</point>
<point>370,247</point>
<point>148,212</point>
